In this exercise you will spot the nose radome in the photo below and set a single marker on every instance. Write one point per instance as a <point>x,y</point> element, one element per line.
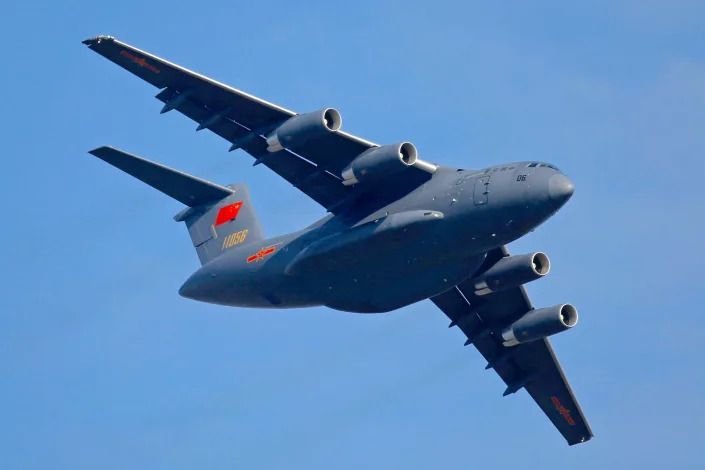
<point>560,188</point>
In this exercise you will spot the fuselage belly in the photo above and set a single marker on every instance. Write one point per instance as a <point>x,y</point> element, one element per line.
<point>413,248</point>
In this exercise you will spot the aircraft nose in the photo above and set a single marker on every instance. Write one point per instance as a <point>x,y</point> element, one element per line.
<point>560,188</point>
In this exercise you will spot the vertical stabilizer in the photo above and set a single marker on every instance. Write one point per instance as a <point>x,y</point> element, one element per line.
<point>216,227</point>
<point>217,217</point>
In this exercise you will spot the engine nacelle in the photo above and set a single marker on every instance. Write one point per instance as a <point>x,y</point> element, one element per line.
<point>512,271</point>
<point>299,129</point>
<point>540,323</point>
<point>379,162</point>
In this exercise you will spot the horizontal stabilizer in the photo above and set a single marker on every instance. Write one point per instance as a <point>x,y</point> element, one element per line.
<point>183,187</point>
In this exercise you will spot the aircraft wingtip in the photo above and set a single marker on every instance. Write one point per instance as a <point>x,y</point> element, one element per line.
<point>581,440</point>
<point>97,40</point>
<point>98,150</point>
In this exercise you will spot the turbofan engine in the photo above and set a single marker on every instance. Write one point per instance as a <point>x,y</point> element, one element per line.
<point>379,162</point>
<point>512,271</point>
<point>299,129</point>
<point>540,323</point>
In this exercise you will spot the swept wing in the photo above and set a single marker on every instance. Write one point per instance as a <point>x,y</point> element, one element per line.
<point>243,120</point>
<point>533,366</point>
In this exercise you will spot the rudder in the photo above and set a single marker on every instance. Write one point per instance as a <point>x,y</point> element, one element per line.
<point>217,217</point>
<point>218,226</point>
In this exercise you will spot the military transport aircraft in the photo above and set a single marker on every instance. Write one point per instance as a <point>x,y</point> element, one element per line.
<point>399,229</point>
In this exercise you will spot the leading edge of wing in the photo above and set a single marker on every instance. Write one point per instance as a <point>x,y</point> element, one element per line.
<point>535,391</point>
<point>98,44</point>
<point>532,366</point>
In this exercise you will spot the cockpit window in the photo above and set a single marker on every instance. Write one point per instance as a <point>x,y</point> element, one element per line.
<point>541,165</point>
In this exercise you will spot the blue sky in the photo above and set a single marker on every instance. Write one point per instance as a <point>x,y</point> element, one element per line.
<point>103,365</point>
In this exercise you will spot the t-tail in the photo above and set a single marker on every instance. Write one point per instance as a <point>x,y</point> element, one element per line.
<point>217,217</point>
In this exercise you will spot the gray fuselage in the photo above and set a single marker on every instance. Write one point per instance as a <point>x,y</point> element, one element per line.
<point>415,247</point>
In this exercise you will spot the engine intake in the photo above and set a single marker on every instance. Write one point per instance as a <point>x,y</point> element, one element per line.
<point>379,162</point>
<point>540,323</point>
<point>512,271</point>
<point>299,129</point>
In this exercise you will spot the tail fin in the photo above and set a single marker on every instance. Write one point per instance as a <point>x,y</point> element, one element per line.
<point>218,217</point>
<point>217,226</point>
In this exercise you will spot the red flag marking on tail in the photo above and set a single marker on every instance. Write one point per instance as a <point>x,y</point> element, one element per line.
<point>228,213</point>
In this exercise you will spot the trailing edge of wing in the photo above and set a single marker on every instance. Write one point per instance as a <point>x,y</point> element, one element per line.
<point>241,119</point>
<point>181,186</point>
<point>244,120</point>
<point>532,366</point>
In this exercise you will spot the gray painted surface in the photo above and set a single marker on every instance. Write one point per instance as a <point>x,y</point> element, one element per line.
<point>421,232</point>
